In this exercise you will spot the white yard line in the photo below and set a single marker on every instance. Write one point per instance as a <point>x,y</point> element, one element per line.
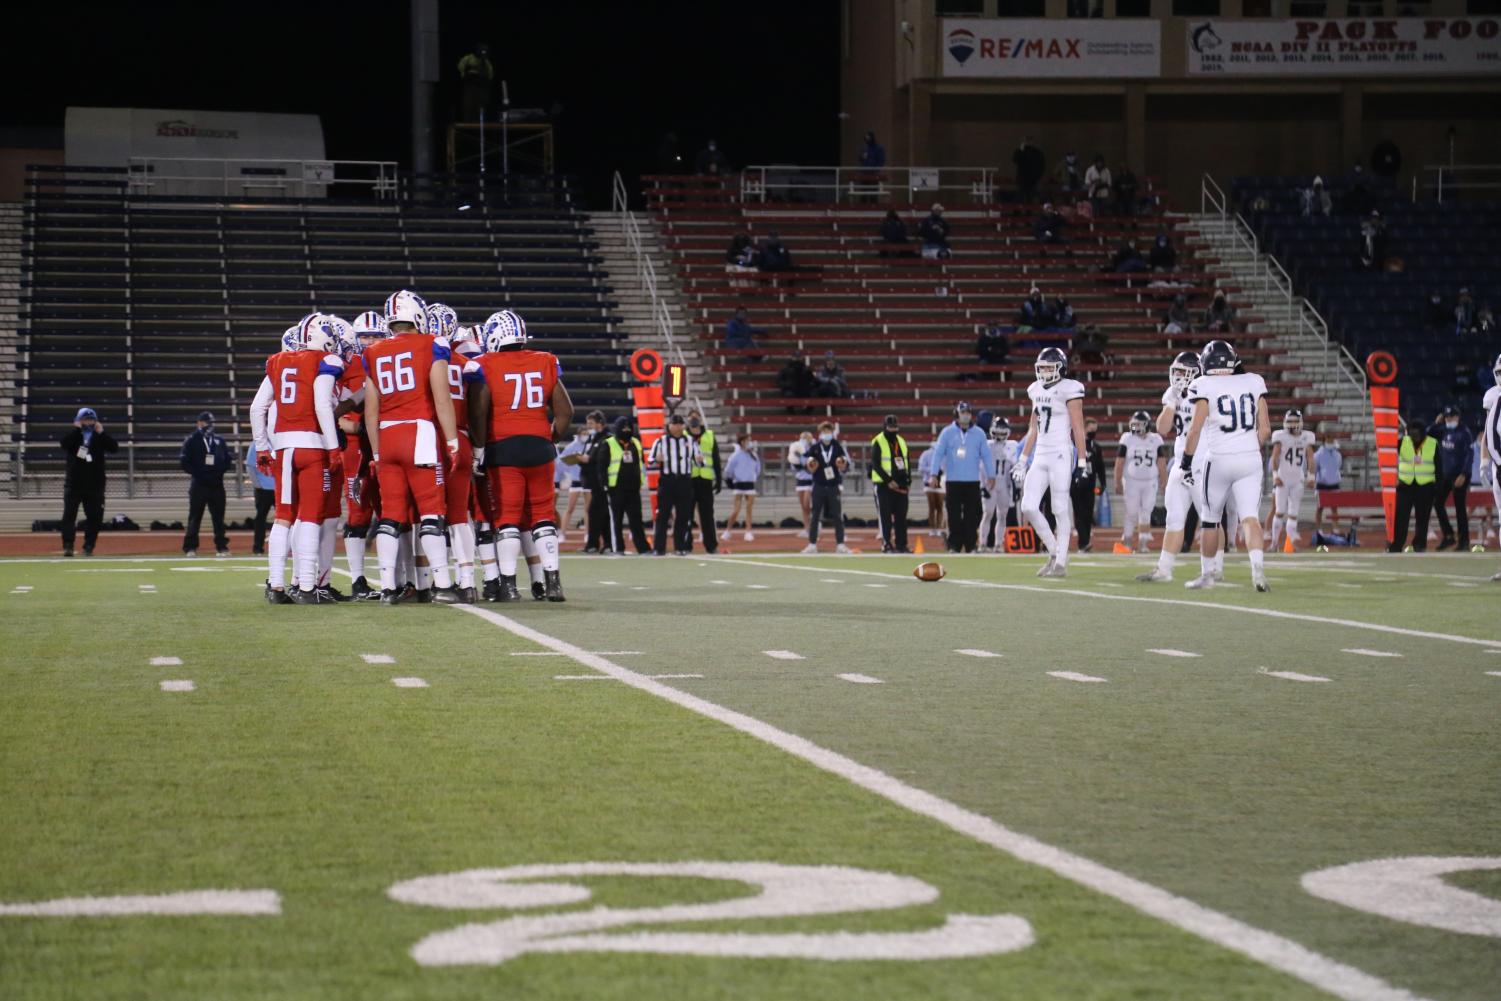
<point>606,677</point>
<point>408,682</point>
<point>239,902</point>
<point>178,686</point>
<point>783,655</point>
<point>1074,676</point>
<point>1494,674</point>
<point>377,658</point>
<point>1271,613</point>
<point>977,653</point>
<point>23,587</point>
<point>1292,675</point>
<point>861,679</point>
<point>758,587</point>
<point>1273,950</point>
<point>166,661</point>
<point>1174,653</point>
<point>1363,652</point>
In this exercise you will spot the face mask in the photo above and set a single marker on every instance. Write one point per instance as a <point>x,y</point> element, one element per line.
<point>1089,435</point>
<point>1451,425</point>
<point>623,435</point>
<point>965,420</point>
<point>825,438</point>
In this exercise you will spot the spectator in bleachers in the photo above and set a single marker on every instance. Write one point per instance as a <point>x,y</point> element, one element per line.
<point>1099,185</point>
<point>1315,200</point>
<point>205,458</point>
<point>1049,225</point>
<point>1036,312</point>
<point>85,447</point>
<point>1372,253</point>
<point>872,153</point>
<point>1358,199</point>
<point>933,231</point>
<point>994,349</point>
<point>1070,179</point>
<point>1030,166</point>
<point>1485,323</point>
<point>1437,317</point>
<point>477,77</point>
<point>774,255</point>
<point>1125,192</point>
<point>829,380</point>
<point>738,333</point>
<point>742,252</point>
<point>1128,260</point>
<point>1163,256</point>
<point>796,377</point>
<point>1456,454</point>
<point>1063,313</point>
<point>1464,313</point>
<point>1177,319</point>
<point>1327,466</point>
<point>1219,316</point>
<point>711,160</point>
<point>894,236</point>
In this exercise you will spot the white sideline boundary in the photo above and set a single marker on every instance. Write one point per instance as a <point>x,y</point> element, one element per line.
<point>1265,947</point>
<point>1271,613</point>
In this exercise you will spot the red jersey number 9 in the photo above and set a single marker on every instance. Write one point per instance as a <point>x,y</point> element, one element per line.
<point>532,383</point>
<point>393,373</point>
<point>455,382</point>
<point>288,386</point>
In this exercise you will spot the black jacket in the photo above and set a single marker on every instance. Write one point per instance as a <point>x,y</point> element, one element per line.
<point>194,458</point>
<point>591,476</point>
<point>836,452</point>
<point>90,471</point>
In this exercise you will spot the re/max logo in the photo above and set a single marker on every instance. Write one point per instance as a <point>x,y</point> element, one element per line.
<point>1030,48</point>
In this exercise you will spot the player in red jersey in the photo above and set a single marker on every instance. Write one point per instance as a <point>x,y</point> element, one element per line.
<point>460,486</point>
<point>406,395</point>
<point>513,388</point>
<point>294,446</point>
<point>360,493</point>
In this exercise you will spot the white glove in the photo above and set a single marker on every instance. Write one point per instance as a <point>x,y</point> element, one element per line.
<point>1019,473</point>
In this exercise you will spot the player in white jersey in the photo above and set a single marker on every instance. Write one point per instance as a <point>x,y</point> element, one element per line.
<point>1292,471</point>
<point>1490,439</point>
<point>1052,455</point>
<point>1139,469</point>
<point>1223,456</point>
<point>1175,417</point>
<point>997,501</point>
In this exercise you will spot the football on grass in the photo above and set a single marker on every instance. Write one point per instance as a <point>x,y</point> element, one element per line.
<point>929,571</point>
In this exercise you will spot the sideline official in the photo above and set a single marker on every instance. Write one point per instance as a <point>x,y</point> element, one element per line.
<point>1415,485</point>
<point>891,472</point>
<point>1456,454</point>
<point>85,446</point>
<point>708,480</point>
<point>205,458</point>
<point>620,463</point>
<point>676,458</point>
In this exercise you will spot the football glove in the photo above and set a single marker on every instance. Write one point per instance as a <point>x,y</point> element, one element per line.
<point>1082,473</point>
<point>263,463</point>
<point>1019,473</point>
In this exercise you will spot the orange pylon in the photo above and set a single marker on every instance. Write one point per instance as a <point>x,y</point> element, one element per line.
<point>919,547</point>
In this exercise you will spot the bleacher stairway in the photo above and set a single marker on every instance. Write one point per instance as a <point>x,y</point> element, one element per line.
<point>1225,248</point>
<point>10,292</point>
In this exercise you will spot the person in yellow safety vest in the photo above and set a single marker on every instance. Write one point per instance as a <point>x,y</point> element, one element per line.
<point>623,474</point>
<point>891,472</point>
<point>708,480</point>
<point>477,76</point>
<point>1415,487</point>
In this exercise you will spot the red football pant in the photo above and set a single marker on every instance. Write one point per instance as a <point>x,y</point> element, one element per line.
<point>460,485</point>
<point>406,487</point>
<point>302,484</point>
<point>331,507</point>
<point>526,494</point>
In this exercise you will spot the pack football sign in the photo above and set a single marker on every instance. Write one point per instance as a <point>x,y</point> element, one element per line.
<point>1392,46</point>
<point>1040,47</point>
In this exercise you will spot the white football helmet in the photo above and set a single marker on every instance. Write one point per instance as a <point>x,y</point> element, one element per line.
<point>291,338</point>
<point>406,307</point>
<point>369,327</point>
<point>1496,370</point>
<point>1183,370</point>
<point>344,341</point>
<point>504,329</point>
<point>465,340</point>
<point>1051,366</point>
<point>318,333</point>
<point>1139,422</point>
<point>441,320</point>
<point>1292,421</point>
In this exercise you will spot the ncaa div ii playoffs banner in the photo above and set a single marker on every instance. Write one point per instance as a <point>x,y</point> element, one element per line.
<point>1394,46</point>
<point>1022,47</point>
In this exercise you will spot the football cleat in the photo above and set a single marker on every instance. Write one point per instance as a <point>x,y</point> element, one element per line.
<point>276,597</point>
<point>503,329</point>
<point>468,596</point>
<point>394,596</point>
<point>441,320</point>
<point>1260,581</point>
<point>1046,568</point>
<point>445,596</point>
<point>841,549</point>
<point>508,590</point>
<point>1157,576</point>
<point>554,585</point>
<point>301,597</point>
<point>361,589</point>
<point>424,595</point>
<point>491,590</point>
<point>1051,365</point>
<point>330,593</point>
<point>1203,582</point>
<point>539,591</point>
<point>1057,571</point>
<point>406,307</point>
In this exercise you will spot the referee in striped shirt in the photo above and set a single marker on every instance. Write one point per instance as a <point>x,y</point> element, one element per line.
<point>674,456</point>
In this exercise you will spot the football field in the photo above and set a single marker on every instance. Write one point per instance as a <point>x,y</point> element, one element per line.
<point>758,777</point>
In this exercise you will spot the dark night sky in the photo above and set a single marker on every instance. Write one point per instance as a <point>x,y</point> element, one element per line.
<point>761,77</point>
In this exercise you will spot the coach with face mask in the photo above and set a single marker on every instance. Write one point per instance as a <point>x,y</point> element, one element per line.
<point>85,446</point>
<point>1456,454</point>
<point>205,458</point>
<point>962,455</point>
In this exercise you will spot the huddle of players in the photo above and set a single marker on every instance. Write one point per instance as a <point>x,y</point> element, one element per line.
<point>1218,414</point>
<point>438,437</point>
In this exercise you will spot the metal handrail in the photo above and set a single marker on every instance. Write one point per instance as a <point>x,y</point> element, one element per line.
<point>647,272</point>
<point>873,184</point>
<point>1448,178</point>
<point>302,175</point>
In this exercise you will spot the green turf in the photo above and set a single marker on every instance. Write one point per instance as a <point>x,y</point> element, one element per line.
<point>297,767</point>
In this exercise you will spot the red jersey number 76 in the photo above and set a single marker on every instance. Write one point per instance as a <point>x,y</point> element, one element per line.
<point>531,382</point>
